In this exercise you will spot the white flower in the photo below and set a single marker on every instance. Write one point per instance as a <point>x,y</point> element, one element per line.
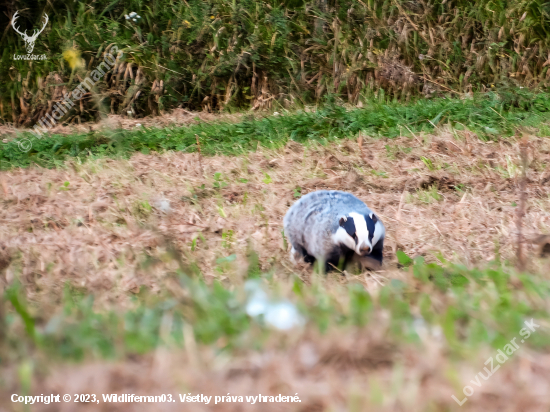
<point>257,305</point>
<point>283,316</point>
<point>257,300</point>
<point>138,17</point>
<point>127,17</point>
<point>134,20</point>
<point>138,125</point>
<point>133,14</point>
<point>276,114</point>
<point>129,112</point>
<point>164,206</point>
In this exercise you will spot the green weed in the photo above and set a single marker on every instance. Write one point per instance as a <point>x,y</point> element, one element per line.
<point>228,238</point>
<point>218,182</point>
<point>142,209</point>
<point>426,196</point>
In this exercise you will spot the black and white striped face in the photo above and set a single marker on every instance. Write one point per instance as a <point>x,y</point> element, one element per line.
<point>360,232</point>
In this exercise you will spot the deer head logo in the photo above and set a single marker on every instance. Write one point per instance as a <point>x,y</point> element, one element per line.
<point>29,40</point>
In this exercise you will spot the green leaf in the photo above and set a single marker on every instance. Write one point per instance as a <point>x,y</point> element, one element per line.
<point>12,294</point>
<point>227,259</point>
<point>222,212</point>
<point>403,259</point>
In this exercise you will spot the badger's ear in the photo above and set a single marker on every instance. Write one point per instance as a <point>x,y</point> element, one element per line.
<point>343,221</point>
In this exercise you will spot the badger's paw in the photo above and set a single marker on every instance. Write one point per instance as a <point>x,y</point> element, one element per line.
<point>294,256</point>
<point>298,258</point>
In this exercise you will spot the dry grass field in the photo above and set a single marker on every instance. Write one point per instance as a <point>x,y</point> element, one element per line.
<point>114,228</point>
<point>436,194</point>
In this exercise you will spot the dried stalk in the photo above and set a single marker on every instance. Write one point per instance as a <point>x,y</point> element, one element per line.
<point>396,236</point>
<point>4,185</point>
<point>363,155</point>
<point>523,145</point>
<point>199,152</point>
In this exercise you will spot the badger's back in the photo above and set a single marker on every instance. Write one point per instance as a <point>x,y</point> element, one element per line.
<point>310,222</point>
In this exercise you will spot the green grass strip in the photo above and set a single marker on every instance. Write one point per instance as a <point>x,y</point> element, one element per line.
<point>493,115</point>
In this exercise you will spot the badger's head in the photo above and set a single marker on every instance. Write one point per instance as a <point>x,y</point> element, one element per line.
<point>360,232</point>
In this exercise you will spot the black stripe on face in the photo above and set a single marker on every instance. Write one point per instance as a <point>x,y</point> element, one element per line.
<point>349,225</point>
<point>371,222</point>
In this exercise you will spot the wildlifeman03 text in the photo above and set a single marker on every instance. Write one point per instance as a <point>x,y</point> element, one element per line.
<point>163,398</point>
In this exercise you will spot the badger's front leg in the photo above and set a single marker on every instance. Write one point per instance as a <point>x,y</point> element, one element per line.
<point>294,256</point>
<point>300,253</point>
<point>338,258</point>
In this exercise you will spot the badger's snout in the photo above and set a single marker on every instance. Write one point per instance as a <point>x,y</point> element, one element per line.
<point>364,250</point>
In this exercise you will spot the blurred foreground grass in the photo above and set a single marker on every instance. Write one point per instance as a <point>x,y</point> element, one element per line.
<point>467,309</point>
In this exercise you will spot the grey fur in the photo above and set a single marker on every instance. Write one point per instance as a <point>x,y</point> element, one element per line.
<point>311,222</point>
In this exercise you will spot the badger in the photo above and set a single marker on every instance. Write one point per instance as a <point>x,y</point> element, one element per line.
<point>334,228</point>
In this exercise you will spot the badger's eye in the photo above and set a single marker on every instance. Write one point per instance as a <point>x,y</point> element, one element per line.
<point>355,237</point>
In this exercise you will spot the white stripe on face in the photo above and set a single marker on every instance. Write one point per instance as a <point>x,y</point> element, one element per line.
<point>342,237</point>
<point>379,231</point>
<point>361,231</point>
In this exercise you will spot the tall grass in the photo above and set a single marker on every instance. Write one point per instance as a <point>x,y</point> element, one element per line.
<point>221,54</point>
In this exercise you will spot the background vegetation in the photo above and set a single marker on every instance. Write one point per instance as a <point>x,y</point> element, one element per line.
<point>221,54</point>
